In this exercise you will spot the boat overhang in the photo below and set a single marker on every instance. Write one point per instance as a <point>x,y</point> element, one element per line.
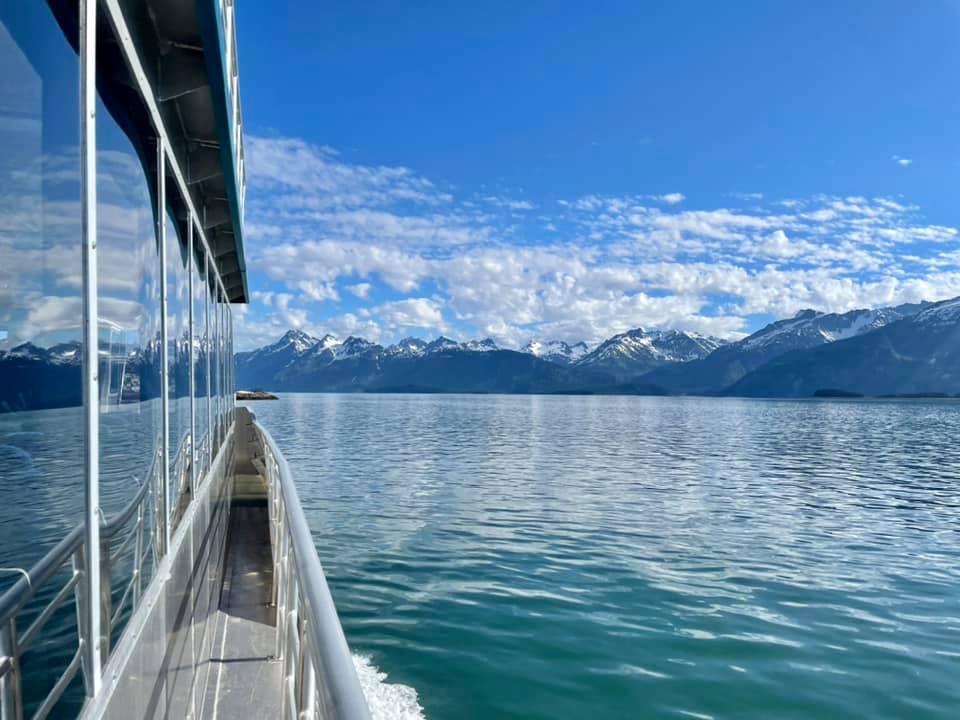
<point>195,78</point>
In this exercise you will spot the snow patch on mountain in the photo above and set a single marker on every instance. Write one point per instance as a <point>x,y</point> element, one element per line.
<point>654,346</point>
<point>485,345</point>
<point>352,347</point>
<point>941,313</point>
<point>556,350</point>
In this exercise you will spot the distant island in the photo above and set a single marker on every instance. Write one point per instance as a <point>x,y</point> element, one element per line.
<point>909,350</point>
<point>255,395</point>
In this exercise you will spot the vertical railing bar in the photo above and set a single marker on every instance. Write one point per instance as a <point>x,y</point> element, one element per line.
<point>106,599</point>
<point>164,350</point>
<point>90,312</point>
<point>80,594</point>
<point>138,560</point>
<point>309,681</point>
<point>11,702</point>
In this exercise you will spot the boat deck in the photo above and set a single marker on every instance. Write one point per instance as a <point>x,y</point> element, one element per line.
<point>246,676</point>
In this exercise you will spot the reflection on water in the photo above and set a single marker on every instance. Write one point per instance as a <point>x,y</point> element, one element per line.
<point>562,557</point>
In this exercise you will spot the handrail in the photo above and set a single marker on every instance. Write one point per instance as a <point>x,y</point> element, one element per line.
<point>27,586</point>
<point>317,661</point>
<point>72,547</point>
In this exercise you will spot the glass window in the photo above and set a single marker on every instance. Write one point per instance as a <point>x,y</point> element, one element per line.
<point>202,421</point>
<point>224,402</point>
<point>231,386</point>
<point>178,357</point>
<point>128,279</point>
<point>41,439</point>
<point>214,366</point>
<point>129,338</point>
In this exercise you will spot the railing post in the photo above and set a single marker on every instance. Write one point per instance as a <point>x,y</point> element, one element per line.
<point>106,600</point>
<point>280,583</point>
<point>11,704</point>
<point>91,343</point>
<point>83,615</point>
<point>308,701</point>
<point>138,556</point>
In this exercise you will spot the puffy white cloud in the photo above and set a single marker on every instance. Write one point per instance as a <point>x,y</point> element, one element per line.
<point>360,290</point>
<point>673,198</point>
<point>411,313</point>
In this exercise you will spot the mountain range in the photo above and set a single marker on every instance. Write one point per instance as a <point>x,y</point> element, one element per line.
<point>299,361</point>
<point>913,348</point>
<point>902,350</point>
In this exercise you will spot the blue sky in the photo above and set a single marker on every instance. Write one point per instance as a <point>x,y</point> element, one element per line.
<point>555,170</point>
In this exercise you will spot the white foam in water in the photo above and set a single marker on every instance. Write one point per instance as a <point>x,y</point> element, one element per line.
<point>387,701</point>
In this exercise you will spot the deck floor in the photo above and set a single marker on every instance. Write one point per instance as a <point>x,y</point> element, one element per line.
<point>246,677</point>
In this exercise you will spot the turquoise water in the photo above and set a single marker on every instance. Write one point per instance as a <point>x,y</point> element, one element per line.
<point>625,557</point>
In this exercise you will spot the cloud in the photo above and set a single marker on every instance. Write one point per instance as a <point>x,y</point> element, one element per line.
<point>329,235</point>
<point>672,198</point>
<point>508,203</point>
<point>411,313</point>
<point>902,161</point>
<point>360,290</point>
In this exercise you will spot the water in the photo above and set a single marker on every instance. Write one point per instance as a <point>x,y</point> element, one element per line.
<point>625,557</point>
<point>605,557</point>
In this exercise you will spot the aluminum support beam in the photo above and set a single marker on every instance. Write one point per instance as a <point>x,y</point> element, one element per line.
<point>164,349</point>
<point>90,639</point>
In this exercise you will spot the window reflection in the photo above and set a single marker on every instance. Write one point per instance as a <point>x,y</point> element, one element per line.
<point>40,323</point>
<point>200,369</point>
<point>128,280</point>
<point>178,357</point>
<point>215,365</point>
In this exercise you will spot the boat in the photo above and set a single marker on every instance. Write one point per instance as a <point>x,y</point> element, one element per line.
<point>189,585</point>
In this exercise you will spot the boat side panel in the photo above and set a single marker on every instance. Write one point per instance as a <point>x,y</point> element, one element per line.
<point>161,665</point>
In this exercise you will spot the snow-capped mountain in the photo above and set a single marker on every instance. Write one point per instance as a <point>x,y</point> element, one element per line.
<point>556,351</point>
<point>637,351</point>
<point>353,346</point>
<point>913,354</point>
<point>293,342</point>
<point>409,346</point>
<point>442,343</point>
<point>485,345</point>
<point>805,330</point>
<point>413,347</point>
<point>939,314</point>
<point>809,328</point>
<point>325,343</point>
<point>269,360</point>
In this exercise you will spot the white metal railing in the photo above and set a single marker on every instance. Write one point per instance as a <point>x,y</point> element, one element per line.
<point>319,677</point>
<point>70,557</point>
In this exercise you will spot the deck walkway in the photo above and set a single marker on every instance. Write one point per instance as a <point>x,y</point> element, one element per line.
<point>247,678</point>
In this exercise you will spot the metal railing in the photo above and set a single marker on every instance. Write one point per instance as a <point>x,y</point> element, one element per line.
<point>319,677</point>
<point>15,602</point>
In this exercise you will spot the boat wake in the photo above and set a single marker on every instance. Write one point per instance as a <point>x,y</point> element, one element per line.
<point>387,701</point>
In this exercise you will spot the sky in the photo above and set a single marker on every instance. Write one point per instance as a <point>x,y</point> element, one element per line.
<point>568,171</point>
